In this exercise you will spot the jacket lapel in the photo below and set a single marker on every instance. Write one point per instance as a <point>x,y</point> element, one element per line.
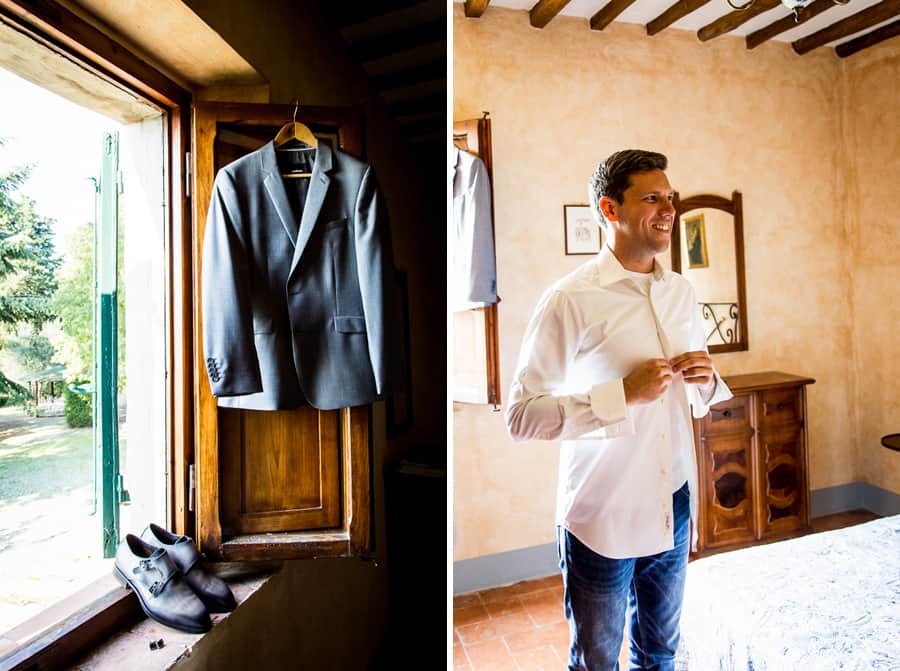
<point>318,187</point>
<point>275,188</point>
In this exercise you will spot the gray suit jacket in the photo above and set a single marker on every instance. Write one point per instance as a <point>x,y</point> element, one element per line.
<point>297,277</point>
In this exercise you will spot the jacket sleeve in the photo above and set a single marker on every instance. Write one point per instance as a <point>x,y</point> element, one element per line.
<point>228,345</point>
<point>375,268</point>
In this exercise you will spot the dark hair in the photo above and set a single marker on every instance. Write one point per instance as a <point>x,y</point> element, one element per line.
<point>613,176</point>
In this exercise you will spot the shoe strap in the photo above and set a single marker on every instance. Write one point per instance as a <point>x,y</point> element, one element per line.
<point>156,571</point>
<point>185,554</point>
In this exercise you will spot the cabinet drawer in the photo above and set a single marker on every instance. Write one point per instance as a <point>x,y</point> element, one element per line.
<point>729,416</point>
<point>780,406</point>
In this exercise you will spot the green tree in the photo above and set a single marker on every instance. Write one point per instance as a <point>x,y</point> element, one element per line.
<point>32,352</point>
<point>28,263</point>
<point>73,303</point>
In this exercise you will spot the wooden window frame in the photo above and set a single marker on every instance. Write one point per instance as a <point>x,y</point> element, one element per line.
<point>53,25</point>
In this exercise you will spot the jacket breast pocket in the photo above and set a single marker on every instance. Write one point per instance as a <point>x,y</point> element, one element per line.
<point>350,324</point>
<point>348,309</point>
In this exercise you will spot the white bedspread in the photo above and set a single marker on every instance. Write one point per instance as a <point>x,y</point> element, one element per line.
<point>824,601</point>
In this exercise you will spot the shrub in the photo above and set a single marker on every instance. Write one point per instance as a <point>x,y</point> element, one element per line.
<point>78,410</point>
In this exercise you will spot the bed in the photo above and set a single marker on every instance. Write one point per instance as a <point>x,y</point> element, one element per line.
<point>825,601</point>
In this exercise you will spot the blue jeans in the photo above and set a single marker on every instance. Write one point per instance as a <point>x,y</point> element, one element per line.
<point>599,591</point>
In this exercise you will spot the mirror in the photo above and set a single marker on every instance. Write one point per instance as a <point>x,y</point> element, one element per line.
<point>708,249</point>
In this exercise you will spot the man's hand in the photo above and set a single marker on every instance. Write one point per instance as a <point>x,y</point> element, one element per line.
<point>647,382</point>
<point>695,367</point>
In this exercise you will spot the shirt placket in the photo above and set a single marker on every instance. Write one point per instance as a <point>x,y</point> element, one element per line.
<point>664,443</point>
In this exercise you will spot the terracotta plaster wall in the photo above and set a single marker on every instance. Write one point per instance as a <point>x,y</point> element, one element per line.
<point>872,132</point>
<point>765,122</point>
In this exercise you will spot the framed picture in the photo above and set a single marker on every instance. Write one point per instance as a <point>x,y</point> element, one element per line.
<point>398,401</point>
<point>695,240</point>
<point>581,229</point>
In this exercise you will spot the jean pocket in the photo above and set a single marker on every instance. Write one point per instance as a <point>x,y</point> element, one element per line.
<point>593,572</point>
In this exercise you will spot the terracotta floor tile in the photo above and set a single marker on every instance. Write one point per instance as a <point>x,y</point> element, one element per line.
<point>490,656</point>
<point>561,648</point>
<point>549,634</point>
<point>501,607</point>
<point>499,593</point>
<point>536,585</point>
<point>517,623</point>
<point>554,580</point>
<point>469,614</point>
<point>466,600</point>
<point>460,661</point>
<point>544,607</point>
<point>539,659</point>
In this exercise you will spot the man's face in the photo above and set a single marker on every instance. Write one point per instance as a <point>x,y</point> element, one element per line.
<point>643,220</point>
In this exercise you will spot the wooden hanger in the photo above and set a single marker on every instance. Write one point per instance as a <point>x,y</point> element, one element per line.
<point>295,130</point>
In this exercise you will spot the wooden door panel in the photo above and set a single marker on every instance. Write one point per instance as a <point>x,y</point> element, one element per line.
<point>283,484</point>
<point>782,480</point>
<point>727,466</point>
<point>280,470</point>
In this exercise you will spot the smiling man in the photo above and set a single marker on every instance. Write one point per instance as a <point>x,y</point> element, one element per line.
<point>613,363</point>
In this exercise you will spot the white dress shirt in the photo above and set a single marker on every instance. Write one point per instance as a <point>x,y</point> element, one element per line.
<point>473,274</point>
<point>589,331</point>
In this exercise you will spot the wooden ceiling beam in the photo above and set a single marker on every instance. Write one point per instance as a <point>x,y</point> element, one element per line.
<point>338,16</point>
<point>854,23</point>
<point>605,16</point>
<point>425,73</point>
<point>421,105</point>
<point>403,40</point>
<point>869,39</point>
<point>545,11</point>
<point>731,20</point>
<point>475,8</point>
<point>766,33</point>
<point>672,14</point>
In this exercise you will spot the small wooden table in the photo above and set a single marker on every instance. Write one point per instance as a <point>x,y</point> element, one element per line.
<point>891,441</point>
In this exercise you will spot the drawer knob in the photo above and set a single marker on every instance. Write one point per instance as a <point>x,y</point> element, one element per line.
<point>726,413</point>
<point>780,406</point>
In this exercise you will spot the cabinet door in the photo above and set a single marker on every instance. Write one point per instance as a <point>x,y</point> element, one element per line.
<point>273,485</point>
<point>727,508</point>
<point>782,483</point>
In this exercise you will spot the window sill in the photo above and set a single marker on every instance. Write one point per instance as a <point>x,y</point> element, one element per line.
<point>129,647</point>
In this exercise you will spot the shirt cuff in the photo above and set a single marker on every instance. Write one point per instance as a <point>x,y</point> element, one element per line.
<point>608,402</point>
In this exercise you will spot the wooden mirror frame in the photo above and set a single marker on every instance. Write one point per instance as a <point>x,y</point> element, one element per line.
<point>735,208</point>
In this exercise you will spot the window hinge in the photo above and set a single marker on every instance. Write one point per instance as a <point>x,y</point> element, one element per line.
<point>192,487</point>
<point>124,496</point>
<point>187,174</point>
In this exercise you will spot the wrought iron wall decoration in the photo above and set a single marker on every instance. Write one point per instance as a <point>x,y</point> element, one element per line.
<point>721,322</point>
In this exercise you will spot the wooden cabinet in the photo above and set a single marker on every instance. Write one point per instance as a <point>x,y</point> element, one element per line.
<point>752,462</point>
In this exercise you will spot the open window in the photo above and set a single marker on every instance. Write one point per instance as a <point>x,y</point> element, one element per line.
<point>130,337</point>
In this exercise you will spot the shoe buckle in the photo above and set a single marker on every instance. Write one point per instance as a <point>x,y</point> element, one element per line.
<point>156,587</point>
<point>143,565</point>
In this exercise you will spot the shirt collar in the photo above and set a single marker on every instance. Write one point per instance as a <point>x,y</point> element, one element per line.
<point>609,269</point>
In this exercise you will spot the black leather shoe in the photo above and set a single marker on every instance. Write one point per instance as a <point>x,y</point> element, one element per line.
<point>163,593</point>
<point>211,589</point>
